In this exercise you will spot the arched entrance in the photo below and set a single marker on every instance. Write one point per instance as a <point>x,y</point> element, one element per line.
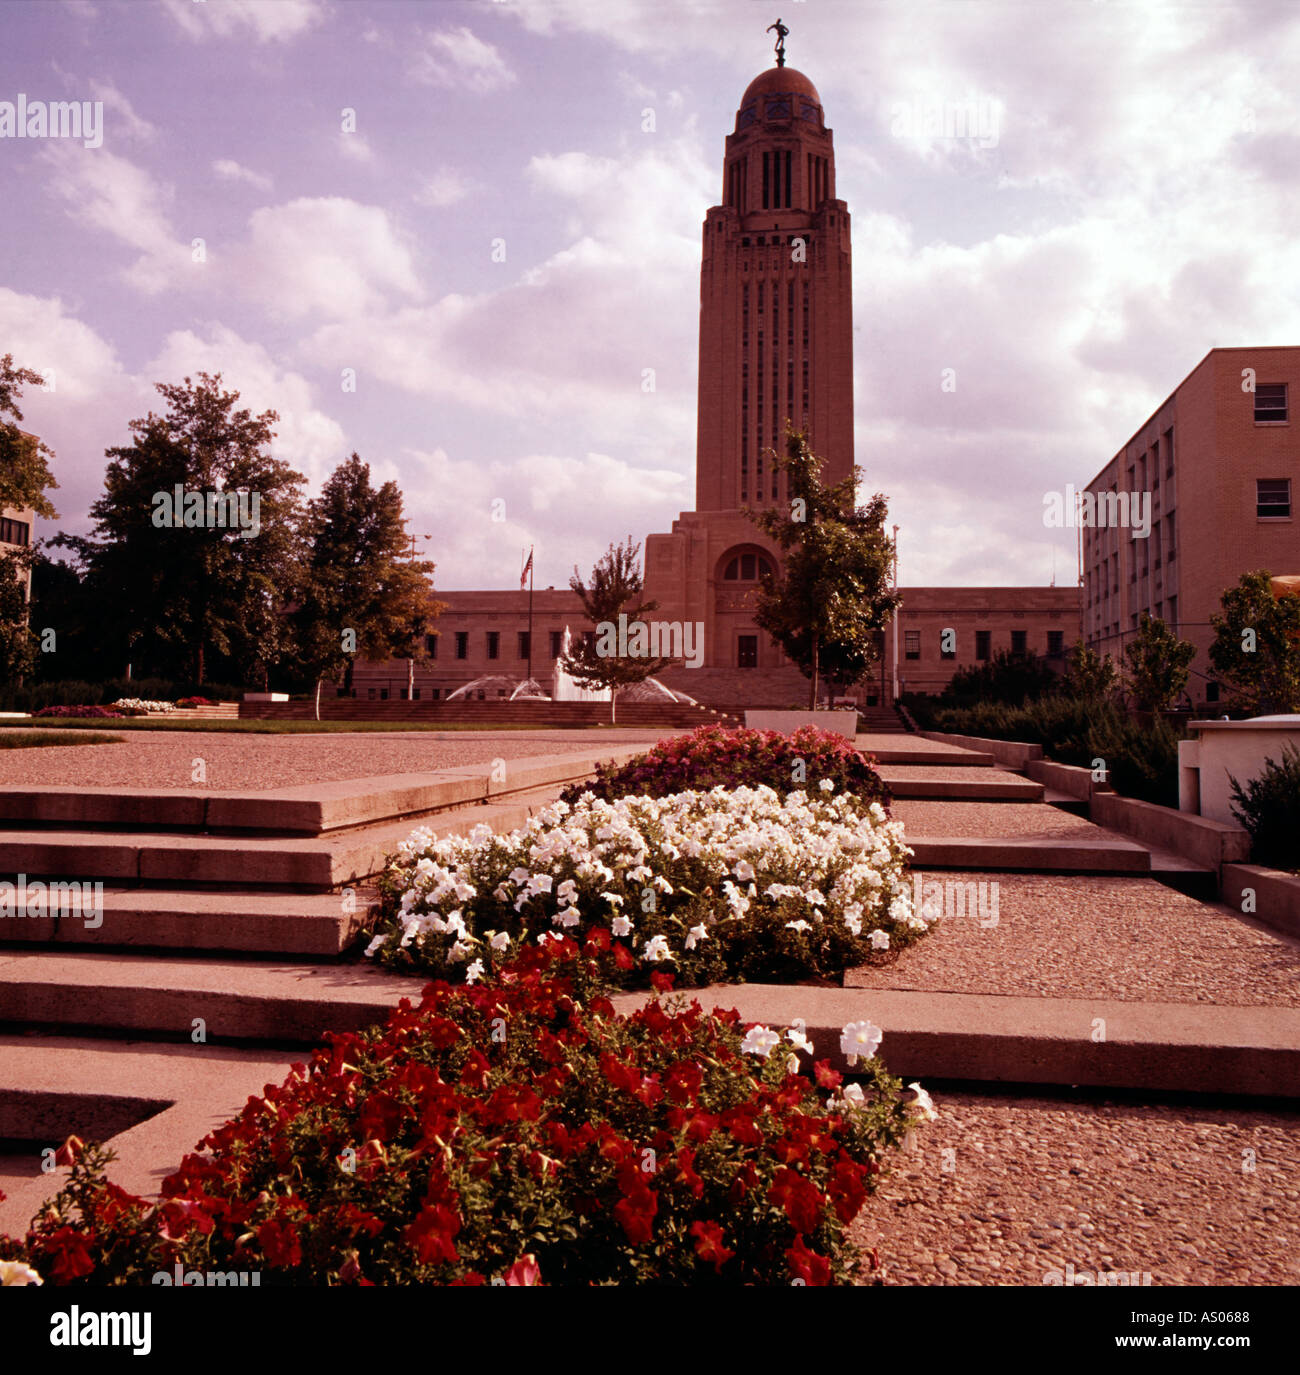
<point>738,642</point>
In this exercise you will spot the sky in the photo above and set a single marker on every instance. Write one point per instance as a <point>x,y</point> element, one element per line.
<point>454,235</point>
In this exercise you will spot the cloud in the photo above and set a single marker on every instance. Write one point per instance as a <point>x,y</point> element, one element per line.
<point>458,59</point>
<point>355,147</point>
<point>112,194</point>
<point>134,125</point>
<point>326,255</point>
<point>266,20</point>
<point>445,187</point>
<point>546,500</point>
<point>229,170</point>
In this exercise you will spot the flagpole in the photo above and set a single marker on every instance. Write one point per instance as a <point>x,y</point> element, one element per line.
<point>530,613</point>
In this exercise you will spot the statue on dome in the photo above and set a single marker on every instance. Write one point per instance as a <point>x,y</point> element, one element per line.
<point>781,32</point>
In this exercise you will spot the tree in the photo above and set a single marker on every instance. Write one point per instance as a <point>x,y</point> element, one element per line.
<point>362,593</point>
<point>618,655</point>
<point>1012,676</point>
<point>196,535</point>
<point>1088,676</point>
<point>1256,646</point>
<point>17,643</point>
<point>833,595</point>
<point>1158,663</point>
<point>24,460</point>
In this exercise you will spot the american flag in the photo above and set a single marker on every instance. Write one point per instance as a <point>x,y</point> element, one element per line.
<point>528,568</point>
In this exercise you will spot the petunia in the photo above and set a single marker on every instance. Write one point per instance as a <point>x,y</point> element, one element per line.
<point>923,1104</point>
<point>879,939</point>
<point>695,935</point>
<point>621,926</point>
<point>16,1273</point>
<point>656,949</point>
<point>474,972</point>
<point>760,1040</point>
<point>859,1041</point>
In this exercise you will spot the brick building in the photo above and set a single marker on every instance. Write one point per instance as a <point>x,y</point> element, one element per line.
<point>1211,477</point>
<point>16,526</point>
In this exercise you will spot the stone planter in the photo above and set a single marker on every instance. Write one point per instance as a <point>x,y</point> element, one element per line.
<point>843,723</point>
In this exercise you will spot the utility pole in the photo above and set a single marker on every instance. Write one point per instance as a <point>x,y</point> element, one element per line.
<point>528,569</point>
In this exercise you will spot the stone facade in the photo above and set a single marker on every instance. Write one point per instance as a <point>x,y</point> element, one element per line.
<point>1215,467</point>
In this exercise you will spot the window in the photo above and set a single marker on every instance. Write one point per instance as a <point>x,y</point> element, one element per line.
<point>1172,622</point>
<point>1019,641</point>
<point>946,653</point>
<point>1169,452</point>
<point>1270,403</point>
<point>1273,498</point>
<point>525,648</point>
<point>1055,644</point>
<point>747,651</point>
<point>912,644</point>
<point>1211,692</point>
<point>494,644</point>
<point>748,567</point>
<point>557,643</point>
<point>15,532</point>
<point>462,644</point>
<point>431,644</point>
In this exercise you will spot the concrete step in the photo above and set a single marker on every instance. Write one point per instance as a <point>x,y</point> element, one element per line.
<point>1107,855</point>
<point>309,809</point>
<point>311,925</point>
<point>316,863</point>
<point>238,1000</point>
<point>885,751</point>
<point>1066,802</point>
<point>153,1102</point>
<point>975,784</point>
<point>975,1037</point>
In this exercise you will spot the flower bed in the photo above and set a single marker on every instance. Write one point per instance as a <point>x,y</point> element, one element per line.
<point>69,712</point>
<point>197,702</point>
<point>713,756</point>
<point>724,885</point>
<point>139,706</point>
<point>509,1134</point>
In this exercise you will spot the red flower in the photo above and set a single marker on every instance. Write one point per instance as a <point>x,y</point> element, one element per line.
<point>685,1162</point>
<point>598,940</point>
<point>799,1197</point>
<point>808,1265</point>
<point>279,1245</point>
<point>739,1121</point>
<point>847,1191</point>
<point>708,1244</point>
<point>431,1234</point>
<point>619,1075</point>
<point>636,1212</point>
<point>74,1258</point>
<point>662,981</point>
<point>622,957</point>
<point>524,1272</point>
<point>684,1080</point>
<point>827,1077</point>
<point>70,1152</point>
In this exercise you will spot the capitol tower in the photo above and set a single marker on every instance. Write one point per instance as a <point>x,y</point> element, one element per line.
<point>776,344</point>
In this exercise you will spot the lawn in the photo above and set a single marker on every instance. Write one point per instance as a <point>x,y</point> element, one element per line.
<point>25,738</point>
<point>255,727</point>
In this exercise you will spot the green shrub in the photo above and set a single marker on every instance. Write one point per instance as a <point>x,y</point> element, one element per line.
<point>1269,808</point>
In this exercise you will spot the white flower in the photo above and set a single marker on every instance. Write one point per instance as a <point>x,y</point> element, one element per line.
<point>499,940</point>
<point>375,944</point>
<point>567,916</point>
<point>656,949</point>
<point>16,1273</point>
<point>474,972</point>
<point>460,951</point>
<point>743,870</point>
<point>695,935</point>
<point>518,876</point>
<point>621,926</point>
<point>799,925</point>
<point>859,1041</point>
<point>853,1096</point>
<point>924,1105</point>
<point>879,939</point>
<point>760,1040</point>
<point>614,898</point>
<point>538,883</point>
<point>567,891</point>
<point>826,785</point>
<point>797,1036</point>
